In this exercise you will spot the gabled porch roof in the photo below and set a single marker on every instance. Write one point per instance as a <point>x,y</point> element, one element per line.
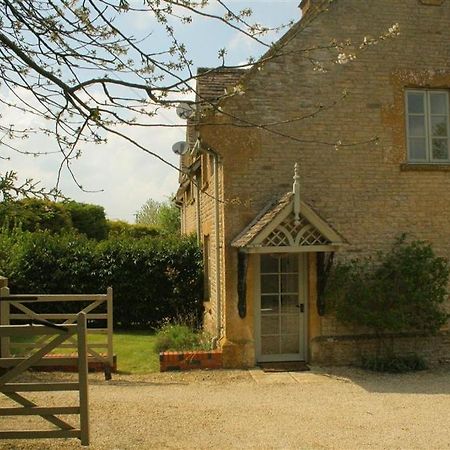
<point>288,225</point>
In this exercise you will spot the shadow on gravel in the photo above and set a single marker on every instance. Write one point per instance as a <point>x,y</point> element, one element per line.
<point>434,381</point>
<point>142,383</point>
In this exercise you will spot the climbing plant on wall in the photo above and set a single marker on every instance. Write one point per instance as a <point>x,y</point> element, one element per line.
<point>401,290</point>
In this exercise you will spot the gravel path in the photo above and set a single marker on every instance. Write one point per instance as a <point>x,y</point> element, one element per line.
<point>321,409</point>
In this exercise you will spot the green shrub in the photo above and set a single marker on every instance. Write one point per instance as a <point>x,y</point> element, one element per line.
<point>395,292</point>
<point>88,219</point>
<point>152,279</point>
<point>47,263</point>
<point>398,291</point>
<point>121,229</point>
<point>394,364</point>
<point>7,249</point>
<point>181,337</point>
<point>32,214</point>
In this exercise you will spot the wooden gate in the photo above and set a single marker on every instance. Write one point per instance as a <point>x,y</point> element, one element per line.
<point>20,308</point>
<point>17,366</point>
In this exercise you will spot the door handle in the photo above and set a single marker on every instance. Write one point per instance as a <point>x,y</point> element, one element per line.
<point>302,307</point>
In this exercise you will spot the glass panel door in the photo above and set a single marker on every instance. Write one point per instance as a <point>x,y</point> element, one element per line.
<point>282,308</point>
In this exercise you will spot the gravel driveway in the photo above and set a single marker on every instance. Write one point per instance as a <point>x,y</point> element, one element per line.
<point>321,409</point>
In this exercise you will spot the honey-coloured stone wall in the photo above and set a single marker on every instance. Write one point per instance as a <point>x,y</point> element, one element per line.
<point>345,125</point>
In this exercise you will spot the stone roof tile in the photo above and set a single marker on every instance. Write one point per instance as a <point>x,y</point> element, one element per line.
<point>263,219</point>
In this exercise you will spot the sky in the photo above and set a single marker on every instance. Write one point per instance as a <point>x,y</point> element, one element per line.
<point>123,177</point>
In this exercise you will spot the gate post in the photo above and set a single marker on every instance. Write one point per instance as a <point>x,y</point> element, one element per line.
<point>4,316</point>
<point>109,326</point>
<point>3,282</point>
<point>83,378</point>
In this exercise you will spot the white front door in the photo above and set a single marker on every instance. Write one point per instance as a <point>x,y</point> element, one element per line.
<point>281,308</point>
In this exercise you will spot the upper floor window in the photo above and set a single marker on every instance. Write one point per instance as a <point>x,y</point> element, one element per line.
<point>428,126</point>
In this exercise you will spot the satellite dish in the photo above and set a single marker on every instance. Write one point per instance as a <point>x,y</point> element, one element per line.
<point>180,148</point>
<point>185,110</point>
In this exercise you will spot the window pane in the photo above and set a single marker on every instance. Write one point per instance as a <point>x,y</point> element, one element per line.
<point>417,149</point>
<point>269,284</point>
<point>416,104</point>
<point>269,264</point>
<point>438,103</point>
<point>290,324</point>
<point>439,126</point>
<point>269,304</point>
<point>289,304</point>
<point>270,325</point>
<point>417,126</point>
<point>289,283</point>
<point>289,263</point>
<point>440,149</point>
<point>270,345</point>
<point>290,343</point>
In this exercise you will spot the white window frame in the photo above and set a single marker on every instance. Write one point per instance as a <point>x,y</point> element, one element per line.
<point>428,136</point>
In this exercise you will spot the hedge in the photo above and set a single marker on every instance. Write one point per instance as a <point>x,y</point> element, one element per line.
<point>153,278</point>
<point>121,229</point>
<point>33,214</point>
<point>88,219</point>
<point>60,217</point>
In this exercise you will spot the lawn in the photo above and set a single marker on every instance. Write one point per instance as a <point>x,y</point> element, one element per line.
<point>134,350</point>
<point>135,353</point>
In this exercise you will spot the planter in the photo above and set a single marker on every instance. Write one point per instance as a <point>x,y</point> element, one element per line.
<point>190,360</point>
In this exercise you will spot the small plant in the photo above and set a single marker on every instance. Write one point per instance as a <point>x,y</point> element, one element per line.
<point>179,336</point>
<point>394,364</point>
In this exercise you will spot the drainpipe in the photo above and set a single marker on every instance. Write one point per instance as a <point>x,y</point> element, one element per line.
<point>215,156</point>
<point>198,210</point>
<point>198,225</point>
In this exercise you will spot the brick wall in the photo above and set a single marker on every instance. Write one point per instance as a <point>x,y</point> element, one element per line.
<point>172,361</point>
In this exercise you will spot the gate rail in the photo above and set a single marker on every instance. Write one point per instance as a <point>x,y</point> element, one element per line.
<point>16,366</point>
<point>15,307</point>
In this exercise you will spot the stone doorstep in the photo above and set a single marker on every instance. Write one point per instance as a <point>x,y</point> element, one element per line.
<point>93,364</point>
<point>191,360</point>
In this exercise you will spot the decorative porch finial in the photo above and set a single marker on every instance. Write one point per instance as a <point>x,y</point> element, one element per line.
<point>296,191</point>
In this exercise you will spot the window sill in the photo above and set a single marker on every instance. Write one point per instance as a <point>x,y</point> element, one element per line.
<point>425,167</point>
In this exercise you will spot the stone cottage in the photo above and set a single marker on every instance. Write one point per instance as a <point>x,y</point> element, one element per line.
<point>336,143</point>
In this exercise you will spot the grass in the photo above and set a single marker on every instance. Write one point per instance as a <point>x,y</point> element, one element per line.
<point>135,352</point>
<point>134,349</point>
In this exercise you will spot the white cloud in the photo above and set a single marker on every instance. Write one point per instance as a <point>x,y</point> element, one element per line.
<point>127,175</point>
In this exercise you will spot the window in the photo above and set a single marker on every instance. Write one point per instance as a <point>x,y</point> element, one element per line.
<point>428,126</point>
